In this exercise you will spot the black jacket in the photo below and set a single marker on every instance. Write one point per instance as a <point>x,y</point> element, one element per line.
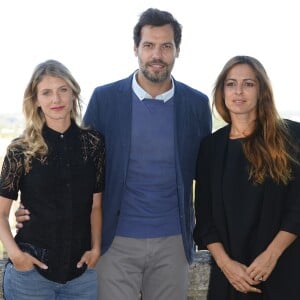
<point>280,210</point>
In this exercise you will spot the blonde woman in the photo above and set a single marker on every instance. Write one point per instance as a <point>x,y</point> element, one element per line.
<point>58,169</point>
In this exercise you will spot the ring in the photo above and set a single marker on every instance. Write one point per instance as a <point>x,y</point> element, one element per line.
<point>261,278</point>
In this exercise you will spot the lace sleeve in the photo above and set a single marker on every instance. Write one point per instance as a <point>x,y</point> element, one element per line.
<point>12,170</point>
<point>93,147</point>
<point>100,164</point>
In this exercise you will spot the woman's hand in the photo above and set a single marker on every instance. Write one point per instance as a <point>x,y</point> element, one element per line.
<point>26,262</point>
<point>89,258</point>
<point>237,275</point>
<point>234,271</point>
<point>262,267</point>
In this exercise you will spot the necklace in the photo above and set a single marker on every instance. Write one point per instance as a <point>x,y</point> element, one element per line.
<point>235,133</point>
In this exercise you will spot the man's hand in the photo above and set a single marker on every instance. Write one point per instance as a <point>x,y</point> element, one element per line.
<point>22,215</point>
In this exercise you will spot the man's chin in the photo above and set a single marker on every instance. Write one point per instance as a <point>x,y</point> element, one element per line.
<point>157,77</point>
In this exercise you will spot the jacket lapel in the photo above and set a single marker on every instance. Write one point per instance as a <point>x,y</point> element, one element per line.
<point>124,114</point>
<point>219,151</point>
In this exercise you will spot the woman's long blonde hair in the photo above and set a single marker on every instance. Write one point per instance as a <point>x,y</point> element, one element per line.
<point>31,141</point>
<point>268,147</point>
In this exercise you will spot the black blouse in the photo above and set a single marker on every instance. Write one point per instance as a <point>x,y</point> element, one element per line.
<point>242,203</point>
<point>58,191</point>
<point>253,214</point>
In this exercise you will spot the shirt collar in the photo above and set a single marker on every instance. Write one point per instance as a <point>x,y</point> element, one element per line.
<point>142,94</point>
<point>52,134</point>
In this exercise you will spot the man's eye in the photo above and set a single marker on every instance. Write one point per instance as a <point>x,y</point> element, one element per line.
<point>168,46</point>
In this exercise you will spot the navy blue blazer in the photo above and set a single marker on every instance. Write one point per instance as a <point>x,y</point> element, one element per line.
<point>110,112</point>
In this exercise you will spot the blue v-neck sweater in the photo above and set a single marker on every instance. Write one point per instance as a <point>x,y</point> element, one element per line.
<point>150,203</point>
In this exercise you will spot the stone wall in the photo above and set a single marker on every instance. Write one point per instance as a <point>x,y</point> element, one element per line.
<point>198,276</point>
<point>2,265</point>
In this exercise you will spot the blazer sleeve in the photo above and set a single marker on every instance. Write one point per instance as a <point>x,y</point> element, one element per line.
<point>205,231</point>
<point>291,213</point>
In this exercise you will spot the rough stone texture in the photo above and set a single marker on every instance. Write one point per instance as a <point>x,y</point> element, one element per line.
<point>2,265</point>
<point>198,276</point>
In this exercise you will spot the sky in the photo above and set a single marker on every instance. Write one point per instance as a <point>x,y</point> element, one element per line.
<point>94,40</point>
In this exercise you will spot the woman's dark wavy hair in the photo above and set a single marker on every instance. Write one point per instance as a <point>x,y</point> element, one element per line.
<point>270,148</point>
<point>156,17</point>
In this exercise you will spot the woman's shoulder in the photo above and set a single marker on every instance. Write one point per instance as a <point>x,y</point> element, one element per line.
<point>292,125</point>
<point>221,131</point>
<point>17,145</point>
<point>92,136</point>
<point>213,141</point>
<point>87,131</point>
<point>293,128</point>
<point>217,134</point>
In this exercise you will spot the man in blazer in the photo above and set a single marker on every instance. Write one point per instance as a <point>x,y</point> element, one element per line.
<point>110,112</point>
<point>153,126</point>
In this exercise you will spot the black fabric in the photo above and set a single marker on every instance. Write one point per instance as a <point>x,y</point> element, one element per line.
<point>276,207</point>
<point>242,203</point>
<point>58,191</point>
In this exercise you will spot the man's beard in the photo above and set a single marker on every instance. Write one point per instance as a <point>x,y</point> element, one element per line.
<point>155,77</point>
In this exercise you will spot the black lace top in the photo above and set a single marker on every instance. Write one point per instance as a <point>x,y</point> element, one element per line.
<point>58,191</point>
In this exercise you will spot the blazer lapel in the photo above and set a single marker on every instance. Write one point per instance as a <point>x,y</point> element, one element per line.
<point>179,125</point>
<point>219,151</point>
<point>124,115</point>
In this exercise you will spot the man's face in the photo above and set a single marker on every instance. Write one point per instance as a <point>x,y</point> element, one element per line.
<point>156,52</point>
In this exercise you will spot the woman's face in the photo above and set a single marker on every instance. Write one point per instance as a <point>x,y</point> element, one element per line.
<point>55,98</point>
<point>241,90</point>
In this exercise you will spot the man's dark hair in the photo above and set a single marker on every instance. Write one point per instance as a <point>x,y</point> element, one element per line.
<point>156,17</point>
